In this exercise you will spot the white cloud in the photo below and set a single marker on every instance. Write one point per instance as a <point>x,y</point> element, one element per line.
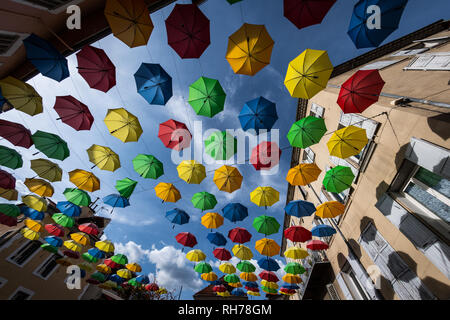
<point>132,250</point>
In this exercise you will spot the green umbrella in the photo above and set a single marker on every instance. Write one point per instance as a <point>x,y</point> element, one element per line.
<point>148,166</point>
<point>306,132</point>
<point>49,247</point>
<point>266,224</point>
<point>77,197</point>
<point>10,158</point>
<point>126,187</point>
<point>246,266</point>
<point>203,267</point>
<point>133,282</point>
<point>294,268</point>
<point>338,179</point>
<point>231,278</point>
<point>98,276</point>
<point>204,200</point>
<point>269,290</point>
<point>63,220</point>
<point>120,259</point>
<point>9,210</point>
<point>89,258</point>
<point>51,145</point>
<point>221,145</point>
<point>206,97</point>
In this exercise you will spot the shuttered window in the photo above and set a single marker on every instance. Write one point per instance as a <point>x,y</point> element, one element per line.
<point>308,155</point>
<point>55,6</point>
<point>316,110</point>
<point>430,61</point>
<point>21,256</point>
<point>380,64</point>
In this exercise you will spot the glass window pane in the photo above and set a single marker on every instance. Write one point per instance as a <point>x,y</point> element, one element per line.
<point>431,203</point>
<point>433,181</point>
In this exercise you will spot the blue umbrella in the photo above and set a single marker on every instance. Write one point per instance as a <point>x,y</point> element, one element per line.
<point>31,213</point>
<point>238,292</point>
<point>216,282</point>
<point>177,216</point>
<point>235,212</point>
<point>44,56</point>
<point>268,264</point>
<point>2,100</point>
<point>363,29</point>
<point>323,230</point>
<point>82,273</point>
<point>115,278</point>
<point>54,241</point>
<point>96,253</point>
<point>68,208</point>
<point>116,200</point>
<point>143,279</point>
<point>250,284</point>
<point>300,208</point>
<point>258,114</point>
<point>153,83</point>
<point>290,286</point>
<point>217,238</point>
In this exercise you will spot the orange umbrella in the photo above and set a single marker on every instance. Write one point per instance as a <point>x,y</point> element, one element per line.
<point>303,174</point>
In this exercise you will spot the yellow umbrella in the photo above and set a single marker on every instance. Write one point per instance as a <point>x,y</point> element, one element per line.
<point>227,179</point>
<point>129,21</point>
<point>264,196</point>
<point>291,278</point>
<point>34,225</point>
<point>125,274</point>
<point>123,125</point>
<point>191,171</point>
<point>108,284</point>
<point>248,276</point>
<point>249,49</point>
<point>35,202</point>
<point>330,209</point>
<point>196,255</point>
<point>223,294</point>
<point>40,187</point>
<point>29,234</point>
<point>303,174</point>
<point>46,169</point>
<point>103,158</point>
<point>235,284</point>
<point>212,220</point>
<point>21,96</point>
<point>9,194</point>
<point>86,267</point>
<point>268,284</point>
<point>84,180</point>
<point>105,246</point>
<point>308,74</point>
<point>103,268</point>
<point>134,267</point>
<point>296,253</point>
<point>80,238</point>
<point>227,267</point>
<point>167,192</point>
<point>72,245</point>
<point>347,142</point>
<point>267,247</point>
<point>242,252</point>
<point>253,293</point>
<point>210,276</point>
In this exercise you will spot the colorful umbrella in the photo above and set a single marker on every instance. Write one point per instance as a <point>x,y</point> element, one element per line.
<point>268,284</point>
<point>97,253</point>
<point>228,179</point>
<point>221,145</point>
<point>242,252</point>
<point>265,155</point>
<point>204,201</point>
<point>9,194</point>
<point>188,31</point>
<point>297,234</point>
<point>253,293</point>
<point>248,276</point>
<point>29,234</point>
<point>231,278</point>
<point>219,288</point>
<point>49,248</point>
<point>235,212</point>
<point>129,21</point>
<point>203,267</point>
<point>303,174</point>
<point>317,245</point>
<point>227,267</point>
<point>305,13</point>
<point>116,201</point>
<point>222,254</point>
<point>177,216</point>
<point>347,142</point>
<point>210,276</point>
<point>249,49</point>
<point>15,133</point>
<point>87,257</point>
<point>40,187</point>
<point>212,220</point>
<point>290,286</point>
<point>268,276</point>
<point>10,210</point>
<point>33,225</point>
<point>7,220</point>
<point>35,202</point>
<point>96,68</point>
<point>125,274</point>
<point>80,238</point>
<point>186,239</point>
<point>167,192</point>
<point>7,181</point>
<point>77,197</point>
<point>46,169</point>
<point>233,1</point>
<point>125,187</point>
<point>54,241</point>
<point>239,235</point>
<point>84,180</point>
<point>306,132</point>
<point>191,171</point>
<point>123,125</point>
<point>142,279</point>
<point>294,268</point>
<point>73,113</point>
<point>10,158</point>
<point>266,225</point>
<point>238,292</point>
<point>103,158</point>
<point>217,238</point>
<point>245,266</point>
<point>89,228</point>
<point>330,209</point>
<point>105,246</point>
<point>338,179</point>
<point>152,287</point>
<point>72,245</point>
<point>103,268</point>
<point>296,253</point>
<point>308,74</point>
<point>292,278</point>
<point>323,230</point>
<point>63,220</point>
<point>267,247</point>
<point>51,145</point>
<point>111,263</point>
<point>54,229</point>
<point>31,213</point>
<point>133,267</point>
<point>153,83</point>
<point>258,114</point>
<point>148,166</point>
<point>120,259</point>
<point>206,97</point>
<point>174,135</point>
<point>195,255</point>
<point>264,196</point>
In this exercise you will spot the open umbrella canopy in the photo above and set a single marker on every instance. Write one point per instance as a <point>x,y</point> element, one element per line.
<point>248,276</point>
<point>265,155</point>
<point>303,174</point>
<point>35,202</point>
<point>29,234</point>
<point>54,230</point>
<point>9,194</point>
<point>125,187</point>
<point>231,278</point>
<point>96,253</point>
<point>72,245</point>
<point>338,179</point>
<point>212,220</point>
<point>54,241</point>
<point>89,228</point>
<point>305,13</point>
<point>103,158</point>
<point>266,225</point>
<point>269,276</point>
<point>188,31</point>
<point>129,21</point>
<point>294,268</point>
<point>323,230</point>
<point>7,220</point>
<point>133,267</point>
<point>51,145</point>
<point>245,266</point>
<point>292,278</point>
<point>124,274</point>
<point>297,234</point>
<point>46,169</point>
<point>74,113</point>
<point>330,209</point>
<point>89,258</point>
<point>204,200</point>
<point>296,253</point>
<point>306,132</point>
<point>191,171</point>
<point>317,245</point>
<point>77,197</point>
<point>7,181</point>
<point>367,32</point>
<point>250,284</point>
<point>105,246</point>
<point>103,268</point>
<point>148,166</point>
<point>249,49</point>
<point>347,142</point>
<point>227,178</point>
<point>120,259</point>
<point>80,238</point>
<point>227,267</point>
<point>96,68</point>
<point>221,145</point>
<point>239,235</point>
<point>195,255</point>
<point>203,267</point>
<point>253,293</point>
<point>63,220</point>
<point>34,225</point>
<point>142,279</point>
<point>206,97</point>
<point>308,74</point>
<point>242,252</point>
<point>235,212</point>
<point>177,216</point>
<point>153,83</point>
<point>174,135</point>
<point>238,292</point>
<point>84,180</point>
<point>186,239</point>
<point>123,125</point>
<point>10,158</point>
<point>264,196</point>
<point>267,247</point>
<point>40,187</point>
<point>15,133</point>
<point>258,114</point>
<point>217,238</point>
<point>167,192</point>
<point>116,201</point>
<point>209,276</point>
<point>268,284</point>
<point>222,254</point>
<point>10,210</point>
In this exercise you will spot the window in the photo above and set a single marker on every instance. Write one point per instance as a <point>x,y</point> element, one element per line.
<point>21,294</point>
<point>21,256</point>
<point>3,237</point>
<point>430,61</point>
<point>10,42</point>
<point>3,281</point>
<point>54,6</point>
<point>316,110</point>
<point>308,155</point>
<point>433,42</point>
<point>332,292</point>
<point>46,269</point>
<point>351,283</point>
<point>380,64</point>
<point>409,52</point>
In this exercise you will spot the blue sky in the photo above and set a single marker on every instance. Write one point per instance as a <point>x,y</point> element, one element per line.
<point>141,231</point>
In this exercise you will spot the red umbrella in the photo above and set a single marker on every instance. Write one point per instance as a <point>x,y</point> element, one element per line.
<point>174,135</point>
<point>219,288</point>
<point>297,234</point>
<point>15,133</point>
<point>239,235</point>
<point>152,287</point>
<point>92,281</point>
<point>7,220</point>
<point>188,31</point>
<point>71,254</point>
<point>55,229</point>
<point>111,264</point>
<point>222,254</point>
<point>7,181</point>
<point>89,228</point>
<point>269,276</point>
<point>317,245</point>
<point>265,155</point>
<point>186,239</point>
<point>288,291</point>
<point>96,68</point>
<point>304,13</point>
<point>254,289</point>
<point>73,113</point>
<point>360,91</point>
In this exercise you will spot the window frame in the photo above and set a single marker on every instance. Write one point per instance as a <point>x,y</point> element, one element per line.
<point>431,56</point>
<point>50,257</point>
<point>307,152</point>
<point>15,252</point>
<point>316,107</point>
<point>62,8</point>
<point>25,290</point>
<point>3,281</point>
<point>16,44</point>
<point>354,287</point>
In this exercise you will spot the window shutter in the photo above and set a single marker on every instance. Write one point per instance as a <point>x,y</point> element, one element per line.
<point>343,286</point>
<point>379,64</point>
<point>430,61</point>
<point>318,110</point>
